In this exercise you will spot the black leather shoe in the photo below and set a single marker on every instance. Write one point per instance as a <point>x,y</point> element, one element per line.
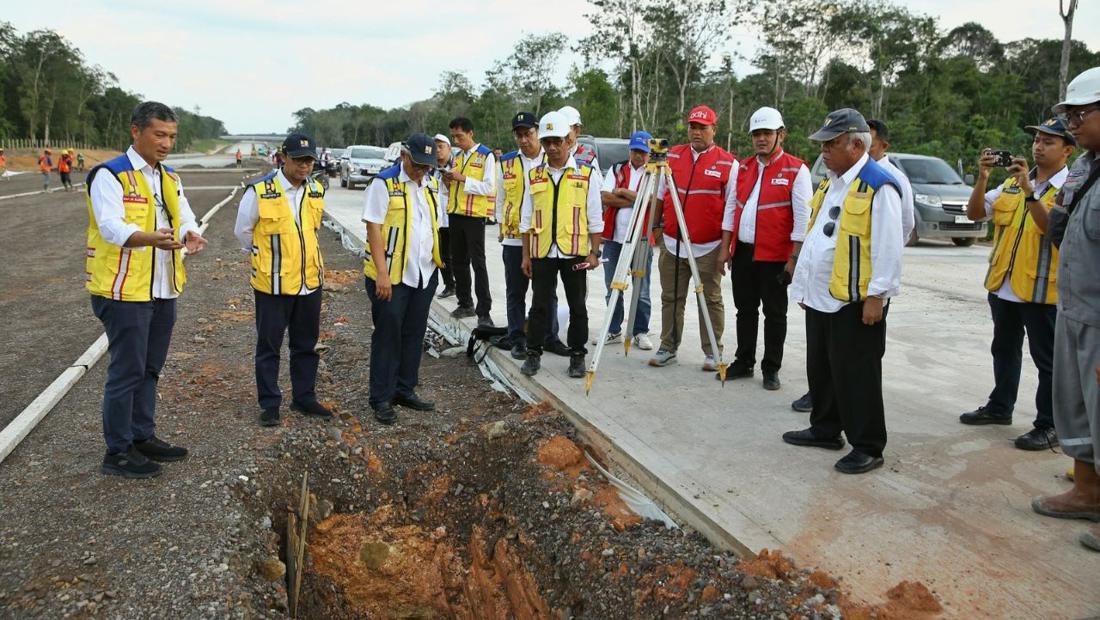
<point>463,312</point>
<point>558,348</point>
<point>531,367</point>
<point>129,464</point>
<point>312,408</point>
<point>771,381</point>
<point>806,437</point>
<point>385,414</point>
<point>857,462</point>
<point>519,351</point>
<point>736,371</point>
<point>158,450</point>
<point>413,402</point>
<point>448,291</point>
<point>804,404</point>
<point>270,417</point>
<point>982,415</point>
<point>1037,439</point>
<point>576,366</point>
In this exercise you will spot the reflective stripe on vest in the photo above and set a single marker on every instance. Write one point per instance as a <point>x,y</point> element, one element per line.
<point>398,222</point>
<point>1021,250</point>
<point>471,165</point>
<point>285,251</point>
<point>701,185</point>
<point>559,213</point>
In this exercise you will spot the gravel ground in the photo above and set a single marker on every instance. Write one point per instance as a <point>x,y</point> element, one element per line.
<point>496,492</point>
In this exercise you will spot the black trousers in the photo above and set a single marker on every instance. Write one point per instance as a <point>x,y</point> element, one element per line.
<point>756,282</point>
<point>468,250</point>
<point>300,317</point>
<point>844,368</point>
<point>396,345</point>
<point>544,283</point>
<point>138,334</point>
<point>445,254</point>
<point>1010,320</point>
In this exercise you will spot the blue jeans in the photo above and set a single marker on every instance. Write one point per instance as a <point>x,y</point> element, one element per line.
<point>611,251</point>
<point>516,285</point>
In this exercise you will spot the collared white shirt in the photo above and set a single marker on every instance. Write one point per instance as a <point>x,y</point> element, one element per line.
<point>527,163</point>
<point>110,217</point>
<point>420,240</point>
<point>248,213</point>
<point>908,219</point>
<point>1058,180</point>
<point>594,212</point>
<point>443,217</point>
<point>622,216</point>
<point>814,271</point>
<point>801,192</point>
<point>487,186</point>
<point>677,247</point>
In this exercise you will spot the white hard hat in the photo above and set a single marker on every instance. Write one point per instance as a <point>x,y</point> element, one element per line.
<point>572,115</point>
<point>553,125</point>
<point>442,138</point>
<point>1083,90</point>
<point>765,118</point>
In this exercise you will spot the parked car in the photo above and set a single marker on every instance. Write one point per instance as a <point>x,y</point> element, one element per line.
<point>361,164</point>
<point>335,157</point>
<point>609,151</point>
<point>939,199</point>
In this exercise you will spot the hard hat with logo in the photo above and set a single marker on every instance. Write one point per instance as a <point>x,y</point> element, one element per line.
<point>765,118</point>
<point>1082,90</point>
<point>554,125</point>
<point>572,115</point>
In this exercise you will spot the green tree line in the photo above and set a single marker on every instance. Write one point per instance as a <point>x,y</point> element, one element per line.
<point>944,92</point>
<point>49,92</point>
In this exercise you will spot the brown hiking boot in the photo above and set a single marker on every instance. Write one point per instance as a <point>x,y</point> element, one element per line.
<point>1091,538</point>
<point>1080,502</point>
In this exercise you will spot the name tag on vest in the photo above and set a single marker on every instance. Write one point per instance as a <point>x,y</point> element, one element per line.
<point>270,195</point>
<point>135,198</point>
<point>781,181</point>
<point>397,193</point>
<point>713,173</point>
<point>315,194</point>
<point>1015,189</point>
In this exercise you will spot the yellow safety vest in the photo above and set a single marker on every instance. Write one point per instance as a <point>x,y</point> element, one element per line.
<point>471,165</point>
<point>559,214</point>
<point>852,257</point>
<point>398,222</point>
<point>285,253</point>
<point>126,274</point>
<point>1021,248</point>
<point>511,166</point>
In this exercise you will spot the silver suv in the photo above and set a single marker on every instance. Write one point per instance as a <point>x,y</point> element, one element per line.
<point>360,163</point>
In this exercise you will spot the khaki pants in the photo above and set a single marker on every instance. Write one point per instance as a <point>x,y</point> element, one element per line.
<point>676,288</point>
<point>1076,393</point>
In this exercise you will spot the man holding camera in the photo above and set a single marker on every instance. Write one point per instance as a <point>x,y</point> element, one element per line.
<point>1074,227</point>
<point>1022,274</point>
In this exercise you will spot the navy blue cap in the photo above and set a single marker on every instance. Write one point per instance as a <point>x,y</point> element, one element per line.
<point>639,141</point>
<point>1055,127</point>
<point>840,122</point>
<point>299,145</point>
<point>525,120</point>
<point>421,148</point>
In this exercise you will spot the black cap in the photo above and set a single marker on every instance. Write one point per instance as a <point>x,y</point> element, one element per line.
<point>525,120</point>
<point>421,148</point>
<point>839,122</point>
<point>1055,127</point>
<point>299,145</point>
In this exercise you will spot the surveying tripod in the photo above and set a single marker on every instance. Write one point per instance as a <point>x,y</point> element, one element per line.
<point>633,257</point>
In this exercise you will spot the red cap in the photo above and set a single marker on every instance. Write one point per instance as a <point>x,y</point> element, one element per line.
<point>703,114</point>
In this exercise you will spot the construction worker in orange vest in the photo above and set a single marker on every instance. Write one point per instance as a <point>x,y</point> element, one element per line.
<point>44,165</point>
<point>3,165</point>
<point>65,168</point>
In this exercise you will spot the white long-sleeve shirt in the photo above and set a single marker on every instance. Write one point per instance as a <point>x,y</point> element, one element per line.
<point>110,217</point>
<point>487,186</point>
<point>801,192</point>
<point>594,210</point>
<point>248,213</point>
<point>908,218</point>
<point>528,163</point>
<point>814,271</point>
<point>680,249</point>
<point>420,240</point>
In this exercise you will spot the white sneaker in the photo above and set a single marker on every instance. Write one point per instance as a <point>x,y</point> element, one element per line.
<point>663,358</point>
<point>709,365</point>
<point>612,338</point>
<point>643,342</point>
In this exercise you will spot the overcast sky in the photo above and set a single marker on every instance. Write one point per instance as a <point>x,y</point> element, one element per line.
<point>251,63</point>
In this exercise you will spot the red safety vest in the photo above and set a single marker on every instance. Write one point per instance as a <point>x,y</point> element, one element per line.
<point>774,213</point>
<point>622,172</point>
<point>702,186</point>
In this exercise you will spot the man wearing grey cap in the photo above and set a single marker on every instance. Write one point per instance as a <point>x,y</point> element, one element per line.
<point>849,266</point>
<point>401,211</point>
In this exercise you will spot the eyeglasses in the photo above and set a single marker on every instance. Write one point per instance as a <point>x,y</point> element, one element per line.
<point>830,227</point>
<point>1076,117</point>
